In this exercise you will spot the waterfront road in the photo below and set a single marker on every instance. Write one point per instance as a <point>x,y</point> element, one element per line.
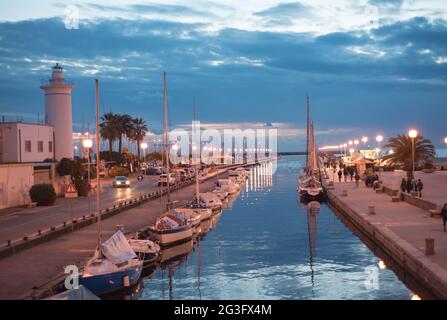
<point>37,265</point>
<point>16,222</point>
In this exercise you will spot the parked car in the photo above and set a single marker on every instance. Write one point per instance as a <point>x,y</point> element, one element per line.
<point>152,171</point>
<point>120,182</point>
<point>163,179</point>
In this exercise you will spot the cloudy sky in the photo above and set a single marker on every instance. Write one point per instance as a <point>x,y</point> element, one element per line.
<point>372,66</point>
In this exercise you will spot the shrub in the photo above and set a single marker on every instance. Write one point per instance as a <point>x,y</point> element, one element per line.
<point>118,171</point>
<point>43,194</point>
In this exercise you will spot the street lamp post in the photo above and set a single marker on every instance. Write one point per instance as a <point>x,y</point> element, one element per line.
<point>356,143</point>
<point>364,140</point>
<point>379,140</point>
<point>412,134</point>
<point>143,146</point>
<point>88,144</point>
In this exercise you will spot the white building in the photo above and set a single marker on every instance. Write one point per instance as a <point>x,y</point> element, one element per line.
<point>26,142</point>
<point>30,142</point>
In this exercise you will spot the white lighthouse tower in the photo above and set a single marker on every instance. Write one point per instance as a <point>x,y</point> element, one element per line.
<point>58,112</point>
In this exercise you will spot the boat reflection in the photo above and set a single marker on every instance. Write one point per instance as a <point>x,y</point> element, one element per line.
<point>313,208</point>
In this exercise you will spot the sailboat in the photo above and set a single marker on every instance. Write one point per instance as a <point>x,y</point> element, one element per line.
<point>309,184</point>
<point>172,227</point>
<point>114,266</point>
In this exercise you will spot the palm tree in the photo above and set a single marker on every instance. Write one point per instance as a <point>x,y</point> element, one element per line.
<point>109,129</point>
<point>139,129</point>
<point>124,128</point>
<point>402,152</point>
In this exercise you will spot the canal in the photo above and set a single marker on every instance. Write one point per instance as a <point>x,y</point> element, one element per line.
<point>265,245</point>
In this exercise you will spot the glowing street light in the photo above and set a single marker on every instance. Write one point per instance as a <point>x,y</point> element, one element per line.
<point>351,151</point>
<point>88,144</point>
<point>412,134</point>
<point>445,140</point>
<point>379,139</point>
<point>143,146</point>
<point>350,142</point>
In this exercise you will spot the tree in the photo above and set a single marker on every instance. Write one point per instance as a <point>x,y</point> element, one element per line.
<point>125,127</point>
<point>110,129</point>
<point>139,130</point>
<point>402,152</point>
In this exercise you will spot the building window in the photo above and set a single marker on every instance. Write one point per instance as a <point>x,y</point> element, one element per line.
<point>27,145</point>
<point>39,146</point>
<point>50,146</point>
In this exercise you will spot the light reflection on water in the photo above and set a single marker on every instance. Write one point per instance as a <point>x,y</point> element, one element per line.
<point>267,246</point>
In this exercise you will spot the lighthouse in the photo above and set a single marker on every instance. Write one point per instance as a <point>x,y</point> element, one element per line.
<point>58,111</point>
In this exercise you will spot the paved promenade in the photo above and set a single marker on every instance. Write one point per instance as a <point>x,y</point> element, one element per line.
<point>435,184</point>
<point>408,225</point>
<point>36,266</point>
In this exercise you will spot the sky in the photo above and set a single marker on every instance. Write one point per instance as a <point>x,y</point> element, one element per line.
<point>369,67</point>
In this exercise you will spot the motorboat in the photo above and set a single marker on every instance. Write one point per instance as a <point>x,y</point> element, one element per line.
<point>228,185</point>
<point>147,249</point>
<point>171,228</point>
<point>210,201</point>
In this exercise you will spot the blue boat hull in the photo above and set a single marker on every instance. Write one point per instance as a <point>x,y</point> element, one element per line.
<point>111,282</point>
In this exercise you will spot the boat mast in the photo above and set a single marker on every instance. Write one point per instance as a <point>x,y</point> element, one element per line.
<point>196,167</point>
<point>166,138</point>
<point>98,183</point>
<point>307,131</point>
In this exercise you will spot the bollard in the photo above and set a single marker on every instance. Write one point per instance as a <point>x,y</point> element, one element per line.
<point>39,232</point>
<point>92,215</point>
<point>371,210</point>
<point>53,228</point>
<point>83,217</point>
<point>429,246</point>
<point>74,220</point>
<point>25,237</point>
<point>8,243</point>
<point>64,223</point>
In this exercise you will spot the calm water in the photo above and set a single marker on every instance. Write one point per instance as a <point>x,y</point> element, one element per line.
<point>267,246</point>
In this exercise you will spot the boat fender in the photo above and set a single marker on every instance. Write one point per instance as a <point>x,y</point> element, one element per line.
<point>126,281</point>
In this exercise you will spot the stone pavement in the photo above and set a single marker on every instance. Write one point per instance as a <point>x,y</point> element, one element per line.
<point>435,184</point>
<point>410,225</point>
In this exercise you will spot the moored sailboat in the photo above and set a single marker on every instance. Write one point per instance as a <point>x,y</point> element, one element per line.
<point>309,184</point>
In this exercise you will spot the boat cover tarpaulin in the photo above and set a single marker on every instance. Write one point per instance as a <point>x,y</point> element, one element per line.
<point>117,249</point>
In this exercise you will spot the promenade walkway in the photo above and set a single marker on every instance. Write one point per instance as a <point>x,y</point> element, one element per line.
<point>408,225</point>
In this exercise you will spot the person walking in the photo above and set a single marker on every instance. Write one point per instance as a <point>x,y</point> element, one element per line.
<point>403,185</point>
<point>409,185</point>
<point>444,215</point>
<point>340,173</point>
<point>351,173</point>
<point>357,179</point>
<point>345,174</point>
<point>419,187</point>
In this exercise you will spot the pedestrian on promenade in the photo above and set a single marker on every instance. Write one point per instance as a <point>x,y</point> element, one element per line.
<point>357,179</point>
<point>345,174</point>
<point>419,187</point>
<point>351,173</point>
<point>403,185</point>
<point>409,185</point>
<point>340,173</point>
<point>444,215</point>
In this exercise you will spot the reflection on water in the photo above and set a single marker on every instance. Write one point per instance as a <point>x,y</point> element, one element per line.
<point>266,245</point>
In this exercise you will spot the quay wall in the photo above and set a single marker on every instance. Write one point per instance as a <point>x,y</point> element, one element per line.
<point>410,259</point>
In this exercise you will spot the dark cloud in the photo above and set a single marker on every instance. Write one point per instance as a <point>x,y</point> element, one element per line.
<point>234,75</point>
